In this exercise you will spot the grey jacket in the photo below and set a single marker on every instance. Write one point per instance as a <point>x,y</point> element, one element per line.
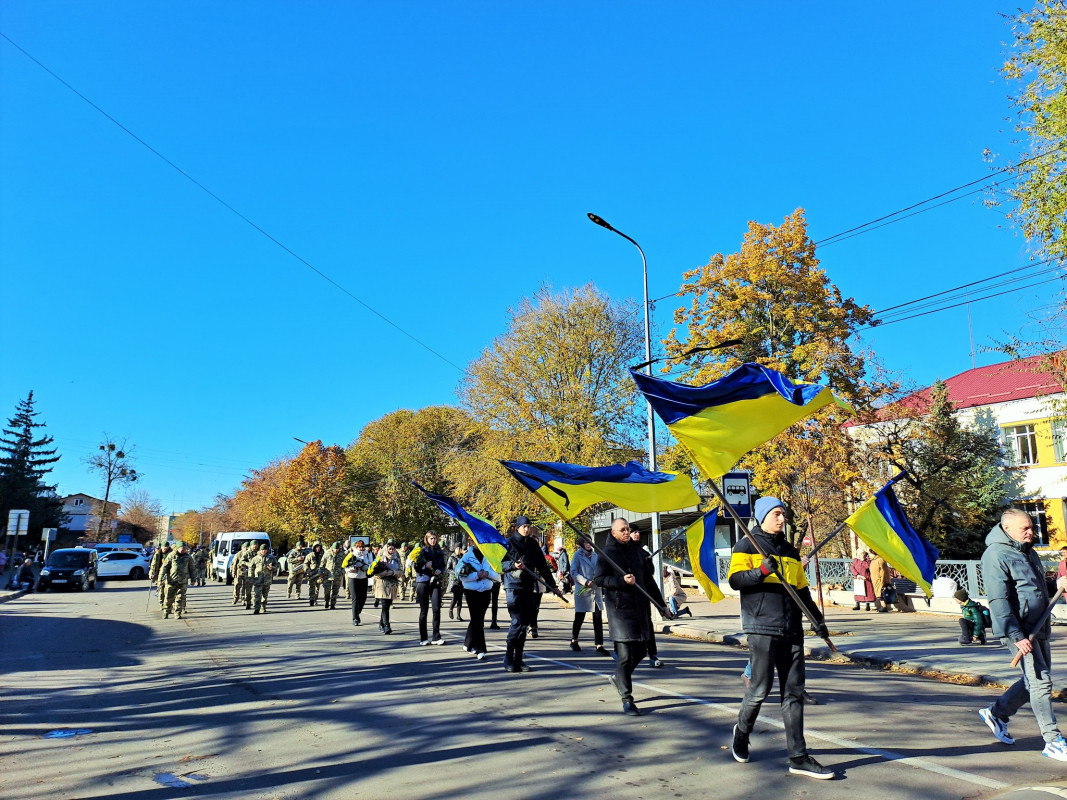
<point>1015,586</point>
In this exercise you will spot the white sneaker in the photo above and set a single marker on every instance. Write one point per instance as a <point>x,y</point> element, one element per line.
<point>1056,750</point>
<point>480,656</point>
<point>424,642</point>
<point>998,726</point>
<point>438,641</point>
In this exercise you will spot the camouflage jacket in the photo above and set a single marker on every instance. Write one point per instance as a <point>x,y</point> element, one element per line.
<point>178,569</point>
<point>264,568</point>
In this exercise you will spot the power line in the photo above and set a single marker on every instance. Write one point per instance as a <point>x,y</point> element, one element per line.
<point>230,208</point>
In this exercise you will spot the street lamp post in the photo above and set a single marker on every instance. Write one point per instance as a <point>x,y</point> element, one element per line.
<point>657,559</point>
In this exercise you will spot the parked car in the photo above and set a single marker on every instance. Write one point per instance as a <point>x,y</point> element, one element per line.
<point>226,546</point>
<point>122,564</point>
<point>69,568</point>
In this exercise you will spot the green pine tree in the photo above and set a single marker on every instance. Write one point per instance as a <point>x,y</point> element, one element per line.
<point>25,461</point>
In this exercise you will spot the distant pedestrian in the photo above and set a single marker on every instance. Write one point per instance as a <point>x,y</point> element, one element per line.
<point>477,577</point>
<point>672,589</point>
<point>155,573</point>
<point>313,571</point>
<point>264,567</point>
<point>653,649</point>
<point>429,570</point>
<point>862,588</point>
<point>453,585</point>
<point>1018,595</point>
<point>386,570</point>
<point>972,623</point>
<point>294,560</point>
<point>522,563</point>
<point>178,571</point>
<point>332,574</point>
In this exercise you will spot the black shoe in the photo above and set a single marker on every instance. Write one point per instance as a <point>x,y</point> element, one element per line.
<point>450,614</point>
<point>388,629</point>
<point>688,611</point>
<point>256,611</point>
<point>358,620</point>
<point>247,606</point>
<point>808,700</point>
<point>522,666</point>
<point>655,662</point>
<point>533,632</point>
<point>381,627</point>
<point>739,746</point>
<point>602,651</point>
<point>868,607</point>
<point>809,767</point>
<point>494,627</point>
<point>575,646</point>
<point>630,709</point>
<point>856,607</point>
<point>354,623</point>
<point>460,619</point>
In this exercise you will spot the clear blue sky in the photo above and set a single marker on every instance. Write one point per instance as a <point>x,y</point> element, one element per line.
<point>438,160</point>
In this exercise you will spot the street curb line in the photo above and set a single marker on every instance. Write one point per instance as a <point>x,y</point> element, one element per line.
<point>12,595</point>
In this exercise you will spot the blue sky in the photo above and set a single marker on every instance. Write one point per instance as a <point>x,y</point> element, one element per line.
<point>437,160</point>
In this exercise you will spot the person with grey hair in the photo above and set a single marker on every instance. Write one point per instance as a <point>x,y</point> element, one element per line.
<point>1018,596</point>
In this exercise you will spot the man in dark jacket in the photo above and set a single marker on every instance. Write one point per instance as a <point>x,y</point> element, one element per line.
<point>1018,595</point>
<point>629,617</point>
<point>774,624</point>
<point>523,551</point>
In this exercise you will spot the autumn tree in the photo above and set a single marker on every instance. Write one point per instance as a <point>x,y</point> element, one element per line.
<point>954,486</point>
<point>775,299</point>
<point>250,508</point>
<point>1035,69</point>
<point>311,495</point>
<point>553,387</point>
<point>140,512</point>
<point>392,451</point>
<point>113,463</point>
<point>26,458</point>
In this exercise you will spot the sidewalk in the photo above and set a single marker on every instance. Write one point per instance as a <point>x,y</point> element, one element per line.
<point>915,642</point>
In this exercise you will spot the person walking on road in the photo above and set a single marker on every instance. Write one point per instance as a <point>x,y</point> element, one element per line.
<point>1018,596</point>
<point>295,561</point>
<point>178,571</point>
<point>242,575</point>
<point>332,574</point>
<point>155,573</point>
<point>387,570</point>
<point>264,566</point>
<point>355,565</point>
<point>652,649</point>
<point>523,551</point>
<point>774,625</point>
<point>588,597</point>
<point>477,577</point>
<point>313,571</point>
<point>453,585</point>
<point>429,569</point>
<point>629,614</point>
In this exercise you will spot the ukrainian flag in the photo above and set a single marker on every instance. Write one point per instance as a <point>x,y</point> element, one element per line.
<point>700,538</point>
<point>721,421</point>
<point>493,546</point>
<point>882,525</point>
<point>569,489</point>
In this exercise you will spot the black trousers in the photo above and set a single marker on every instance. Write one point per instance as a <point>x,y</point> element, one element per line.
<point>429,593</point>
<point>598,626</point>
<point>536,608</point>
<point>629,656</point>
<point>496,599</point>
<point>769,654</point>
<point>457,597</point>
<point>357,587</point>
<point>521,607</point>
<point>477,604</point>
<point>385,613</point>
<point>968,629</point>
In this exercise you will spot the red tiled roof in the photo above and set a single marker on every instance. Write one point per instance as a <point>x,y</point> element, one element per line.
<point>996,383</point>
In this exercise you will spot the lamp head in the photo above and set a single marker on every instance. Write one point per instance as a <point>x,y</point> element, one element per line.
<point>599,221</point>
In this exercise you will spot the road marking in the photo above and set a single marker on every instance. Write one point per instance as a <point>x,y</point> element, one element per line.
<point>887,755</point>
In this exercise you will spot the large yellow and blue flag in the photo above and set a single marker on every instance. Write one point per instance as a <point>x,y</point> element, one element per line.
<point>700,539</point>
<point>721,421</point>
<point>569,489</point>
<point>489,540</point>
<point>883,526</point>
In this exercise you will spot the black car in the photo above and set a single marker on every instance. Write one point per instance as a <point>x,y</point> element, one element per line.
<point>73,568</point>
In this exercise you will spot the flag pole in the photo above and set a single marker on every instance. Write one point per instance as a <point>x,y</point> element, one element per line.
<point>1040,623</point>
<point>777,572</point>
<point>829,536</point>
<point>600,552</point>
<point>667,543</point>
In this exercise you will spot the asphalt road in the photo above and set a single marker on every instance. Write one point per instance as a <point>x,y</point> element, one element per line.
<point>298,703</point>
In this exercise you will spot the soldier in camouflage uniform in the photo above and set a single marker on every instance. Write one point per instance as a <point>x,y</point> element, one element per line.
<point>177,572</point>
<point>332,574</point>
<point>155,571</point>
<point>264,566</point>
<point>242,575</point>
<point>313,568</point>
<point>201,558</point>
<point>295,559</point>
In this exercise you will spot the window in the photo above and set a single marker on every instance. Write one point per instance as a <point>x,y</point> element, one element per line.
<point>77,501</point>
<point>1021,442</point>
<point>1036,510</point>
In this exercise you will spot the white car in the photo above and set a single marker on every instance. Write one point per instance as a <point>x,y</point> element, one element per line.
<point>122,564</point>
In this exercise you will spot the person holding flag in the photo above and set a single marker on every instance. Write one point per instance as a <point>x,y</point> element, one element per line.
<point>522,563</point>
<point>477,577</point>
<point>774,626</point>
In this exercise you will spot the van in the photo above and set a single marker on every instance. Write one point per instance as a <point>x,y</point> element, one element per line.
<point>229,544</point>
<point>109,547</point>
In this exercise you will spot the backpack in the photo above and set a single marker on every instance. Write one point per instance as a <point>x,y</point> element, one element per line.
<point>987,618</point>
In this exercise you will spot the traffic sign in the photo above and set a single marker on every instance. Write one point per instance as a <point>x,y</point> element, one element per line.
<point>808,542</point>
<point>18,522</point>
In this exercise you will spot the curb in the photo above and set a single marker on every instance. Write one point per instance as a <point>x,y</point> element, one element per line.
<point>5,596</point>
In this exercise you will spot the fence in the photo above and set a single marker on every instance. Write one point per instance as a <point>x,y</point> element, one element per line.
<point>837,571</point>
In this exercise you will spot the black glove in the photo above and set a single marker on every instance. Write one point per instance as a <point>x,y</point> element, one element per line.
<point>822,631</point>
<point>769,565</point>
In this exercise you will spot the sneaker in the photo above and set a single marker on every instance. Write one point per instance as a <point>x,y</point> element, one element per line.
<point>480,656</point>
<point>809,767</point>
<point>739,747</point>
<point>997,725</point>
<point>438,641</point>
<point>424,642</point>
<point>1056,750</point>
